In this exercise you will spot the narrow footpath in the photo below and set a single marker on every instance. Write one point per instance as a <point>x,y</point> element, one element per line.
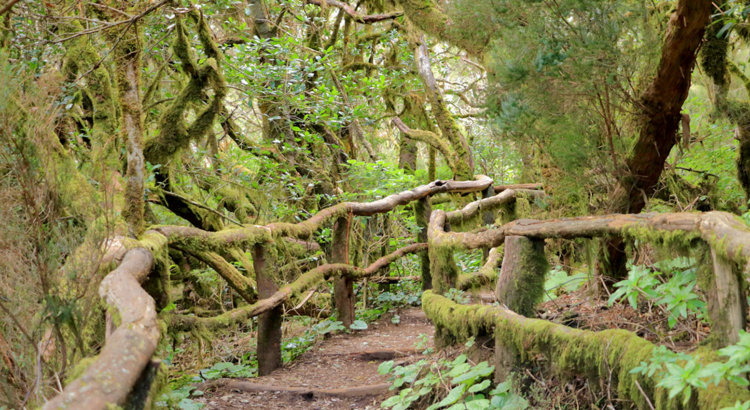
<point>338,373</point>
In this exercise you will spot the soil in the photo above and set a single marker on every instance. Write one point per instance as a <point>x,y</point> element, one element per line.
<point>581,310</point>
<point>343,361</point>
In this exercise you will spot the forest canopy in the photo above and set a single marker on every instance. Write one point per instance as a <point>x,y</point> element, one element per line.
<point>239,143</point>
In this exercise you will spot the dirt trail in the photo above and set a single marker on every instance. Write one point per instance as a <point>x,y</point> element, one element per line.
<point>324,378</point>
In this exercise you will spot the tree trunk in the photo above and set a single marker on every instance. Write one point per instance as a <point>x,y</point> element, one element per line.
<point>343,287</point>
<point>422,210</point>
<point>726,302</point>
<point>660,113</point>
<point>447,124</point>
<point>269,323</point>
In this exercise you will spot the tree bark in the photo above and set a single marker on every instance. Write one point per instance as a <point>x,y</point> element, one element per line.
<point>343,287</point>
<point>269,323</point>
<point>660,116</point>
<point>422,211</point>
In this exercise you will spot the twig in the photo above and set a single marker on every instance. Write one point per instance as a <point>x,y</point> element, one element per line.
<point>20,327</point>
<point>6,8</point>
<point>697,171</point>
<point>198,204</point>
<point>309,295</point>
<point>644,395</point>
<point>104,26</point>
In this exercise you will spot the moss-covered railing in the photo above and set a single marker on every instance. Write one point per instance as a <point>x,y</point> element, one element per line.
<point>608,355</point>
<point>123,363</point>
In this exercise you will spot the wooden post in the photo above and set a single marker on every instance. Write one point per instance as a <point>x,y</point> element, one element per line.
<point>519,287</point>
<point>726,302</point>
<point>488,218</point>
<point>521,282</point>
<point>269,323</point>
<point>422,211</point>
<point>343,288</point>
<point>507,359</point>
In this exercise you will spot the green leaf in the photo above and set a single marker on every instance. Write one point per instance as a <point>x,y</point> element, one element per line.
<point>453,396</point>
<point>385,367</point>
<point>479,387</point>
<point>481,404</point>
<point>358,325</point>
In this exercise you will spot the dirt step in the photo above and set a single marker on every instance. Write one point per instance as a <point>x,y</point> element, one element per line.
<point>376,389</point>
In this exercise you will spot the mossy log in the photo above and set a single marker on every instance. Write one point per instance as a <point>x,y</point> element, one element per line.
<point>201,240</point>
<point>609,355</point>
<point>111,376</point>
<point>501,188</point>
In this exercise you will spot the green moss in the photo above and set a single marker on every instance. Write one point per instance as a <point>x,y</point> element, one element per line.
<point>175,133</point>
<point>97,96</point>
<point>676,240</point>
<point>79,369</point>
<point>608,356</point>
<point>443,267</point>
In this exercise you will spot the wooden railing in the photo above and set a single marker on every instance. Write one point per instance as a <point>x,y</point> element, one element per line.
<point>123,362</point>
<point>122,367</point>
<point>609,355</point>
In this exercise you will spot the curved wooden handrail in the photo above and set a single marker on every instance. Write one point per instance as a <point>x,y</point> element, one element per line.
<point>128,350</point>
<point>304,283</point>
<point>721,230</point>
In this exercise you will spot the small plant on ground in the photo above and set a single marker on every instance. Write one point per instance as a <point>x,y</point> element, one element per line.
<point>456,384</point>
<point>458,296</point>
<point>676,296</point>
<point>681,373</point>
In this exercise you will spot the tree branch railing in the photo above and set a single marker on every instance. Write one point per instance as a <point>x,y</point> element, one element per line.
<point>111,377</point>
<point>520,285</point>
<point>130,347</point>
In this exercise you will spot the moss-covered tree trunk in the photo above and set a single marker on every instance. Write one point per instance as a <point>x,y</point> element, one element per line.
<point>464,167</point>
<point>127,58</point>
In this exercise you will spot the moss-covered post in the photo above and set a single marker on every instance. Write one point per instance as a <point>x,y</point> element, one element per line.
<point>488,218</point>
<point>521,282</point>
<point>726,302</point>
<point>269,323</point>
<point>343,287</point>
<point>422,211</point>
<point>519,287</point>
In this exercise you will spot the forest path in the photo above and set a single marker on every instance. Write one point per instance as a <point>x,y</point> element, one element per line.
<point>338,373</point>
